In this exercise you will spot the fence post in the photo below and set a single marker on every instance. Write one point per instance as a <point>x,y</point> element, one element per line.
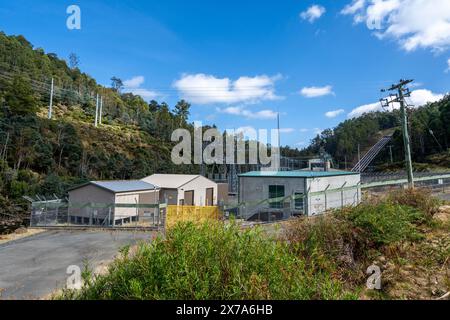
<point>342,194</point>
<point>358,188</point>
<point>45,214</point>
<point>114,215</point>
<point>57,212</point>
<point>326,197</point>
<point>90,213</point>
<point>68,213</point>
<point>163,213</point>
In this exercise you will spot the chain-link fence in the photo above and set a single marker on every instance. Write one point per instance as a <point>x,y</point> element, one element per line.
<point>313,203</point>
<point>294,205</point>
<point>60,213</point>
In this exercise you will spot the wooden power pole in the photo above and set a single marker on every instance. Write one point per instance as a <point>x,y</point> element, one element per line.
<point>50,107</point>
<point>399,97</point>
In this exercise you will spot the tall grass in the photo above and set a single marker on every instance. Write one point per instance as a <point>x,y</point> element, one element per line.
<point>420,199</point>
<point>386,223</point>
<point>211,262</point>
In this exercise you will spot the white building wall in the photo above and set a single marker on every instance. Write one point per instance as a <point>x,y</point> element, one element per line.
<point>317,204</point>
<point>121,213</point>
<point>199,186</point>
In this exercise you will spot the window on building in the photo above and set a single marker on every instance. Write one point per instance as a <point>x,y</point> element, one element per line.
<point>299,201</point>
<point>276,192</point>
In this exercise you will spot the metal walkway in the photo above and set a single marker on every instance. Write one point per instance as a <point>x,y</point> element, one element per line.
<point>371,154</point>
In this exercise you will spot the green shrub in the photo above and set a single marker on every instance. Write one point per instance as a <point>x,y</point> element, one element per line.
<point>386,222</point>
<point>323,241</point>
<point>18,189</point>
<point>420,199</point>
<point>345,242</point>
<point>211,262</point>
<point>329,243</point>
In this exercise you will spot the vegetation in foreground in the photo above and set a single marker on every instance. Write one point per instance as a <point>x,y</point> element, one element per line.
<point>211,262</point>
<point>318,258</point>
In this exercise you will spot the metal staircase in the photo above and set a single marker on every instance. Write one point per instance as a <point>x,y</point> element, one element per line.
<point>371,154</point>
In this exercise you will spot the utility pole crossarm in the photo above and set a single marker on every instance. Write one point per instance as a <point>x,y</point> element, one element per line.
<point>402,83</point>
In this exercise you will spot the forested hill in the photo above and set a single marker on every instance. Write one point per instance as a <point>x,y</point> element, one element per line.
<point>41,156</point>
<point>429,128</point>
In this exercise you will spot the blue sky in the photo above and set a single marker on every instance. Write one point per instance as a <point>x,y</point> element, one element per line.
<point>239,62</point>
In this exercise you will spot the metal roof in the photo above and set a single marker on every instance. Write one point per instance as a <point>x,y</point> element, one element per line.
<point>118,186</point>
<point>296,174</point>
<point>170,181</point>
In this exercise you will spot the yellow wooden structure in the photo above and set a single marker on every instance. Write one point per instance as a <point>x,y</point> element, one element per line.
<point>195,214</point>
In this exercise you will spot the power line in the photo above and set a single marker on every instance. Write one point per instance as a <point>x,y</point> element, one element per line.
<point>55,91</point>
<point>428,128</point>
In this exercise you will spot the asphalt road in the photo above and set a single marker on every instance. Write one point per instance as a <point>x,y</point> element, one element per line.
<point>34,267</point>
<point>444,196</point>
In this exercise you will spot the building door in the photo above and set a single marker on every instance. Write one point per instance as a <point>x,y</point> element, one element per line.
<point>276,195</point>
<point>299,201</point>
<point>209,197</point>
<point>189,198</point>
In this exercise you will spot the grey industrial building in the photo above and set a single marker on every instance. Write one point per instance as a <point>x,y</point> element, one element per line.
<point>304,192</point>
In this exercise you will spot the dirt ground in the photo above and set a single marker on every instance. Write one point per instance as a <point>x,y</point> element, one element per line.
<point>418,271</point>
<point>19,234</point>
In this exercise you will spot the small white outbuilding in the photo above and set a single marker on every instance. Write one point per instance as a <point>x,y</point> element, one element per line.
<point>185,189</point>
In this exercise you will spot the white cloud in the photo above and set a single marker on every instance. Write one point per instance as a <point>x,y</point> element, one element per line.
<point>359,111</point>
<point>134,82</point>
<point>241,111</point>
<point>413,23</point>
<point>205,89</point>
<point>304,130</point>
<point>245,130</point>
<point>263,114</point>
<point>133,86</point>
<point>334,114</point>
<point>354,7</point>
<point>144,93</point>
<point>418,98</point>
<point>448,66</point>
<point>313,13</point>
<point>314,92</point>
<point>287,130</point>
<point>422,97</point>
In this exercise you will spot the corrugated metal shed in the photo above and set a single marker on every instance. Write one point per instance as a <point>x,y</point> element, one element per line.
<point>296,174</point>
<point>170,181</point>
<point>118,186</point>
